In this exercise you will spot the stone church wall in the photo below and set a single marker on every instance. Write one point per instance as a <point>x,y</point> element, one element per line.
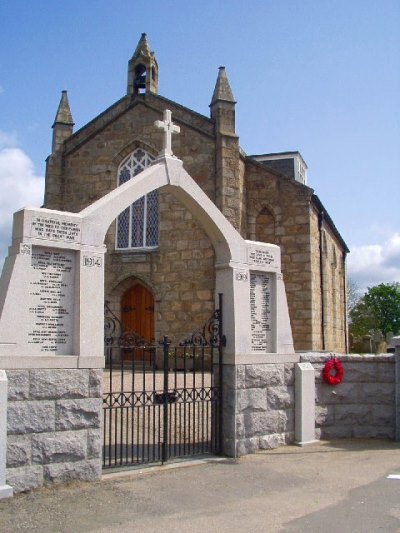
<point>332,304</point>
<point>180,273</point>
<point>316,324</point>
<point>246,191</point>
<point>288,204</point>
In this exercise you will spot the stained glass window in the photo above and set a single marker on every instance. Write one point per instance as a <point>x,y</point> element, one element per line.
<point>137,226</point>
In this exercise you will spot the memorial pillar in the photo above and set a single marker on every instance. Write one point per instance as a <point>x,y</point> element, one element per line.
<point>89,306</point>
<point>304,404</point>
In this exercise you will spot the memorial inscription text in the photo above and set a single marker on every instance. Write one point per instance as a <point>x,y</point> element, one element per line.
<point>260,257</point>
<point>51,300</point>
<point>262,339</point>
<point>56,229</point>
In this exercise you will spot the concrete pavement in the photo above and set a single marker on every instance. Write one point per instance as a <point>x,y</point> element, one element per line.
<point>336,486</point>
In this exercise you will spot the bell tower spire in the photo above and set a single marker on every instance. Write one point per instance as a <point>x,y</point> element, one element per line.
<point>223,104</point>
<point>63,123</point>
<point>142,69</point>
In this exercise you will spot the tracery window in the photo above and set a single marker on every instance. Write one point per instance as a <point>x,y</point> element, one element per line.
<point>137,225</point>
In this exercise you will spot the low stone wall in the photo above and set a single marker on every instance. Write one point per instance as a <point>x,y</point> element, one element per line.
<point>53,421</point>
<point>54,416</point>
<point>263,398</point>
<point>363,404</point>
<point>259,404</point>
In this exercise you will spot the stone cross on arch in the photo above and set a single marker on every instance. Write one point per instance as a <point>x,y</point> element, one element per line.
<point>169,128</point>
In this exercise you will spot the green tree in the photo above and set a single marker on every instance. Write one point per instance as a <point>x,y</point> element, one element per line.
<point>378,309</point>
<point>353,294</point>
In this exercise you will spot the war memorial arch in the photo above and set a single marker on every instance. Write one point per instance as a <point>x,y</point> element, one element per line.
<point>237,264</point>
<point>54,276</point>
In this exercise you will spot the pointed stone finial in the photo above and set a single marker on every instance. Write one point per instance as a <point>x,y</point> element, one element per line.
<point>169,129</point>
<point>142,48</point>
<point>222,89</point>
<point>63,115</point>
<point>63,123</point>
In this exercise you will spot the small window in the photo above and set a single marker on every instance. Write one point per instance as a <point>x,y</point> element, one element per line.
<point>137,225</point>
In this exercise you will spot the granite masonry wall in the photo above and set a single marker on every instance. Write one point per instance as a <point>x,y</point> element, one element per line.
<point>53,427</point>
<point>363,404</point>
<point>54,416</point>
<point>179,273</point>
<point>259,406</point>
<point>263,399</point>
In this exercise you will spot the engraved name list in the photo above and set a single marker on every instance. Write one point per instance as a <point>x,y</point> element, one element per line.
<point>50,300</point>
<point>262,339</point>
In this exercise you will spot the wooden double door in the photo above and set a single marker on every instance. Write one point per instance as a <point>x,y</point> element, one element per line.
<point>137,312</point>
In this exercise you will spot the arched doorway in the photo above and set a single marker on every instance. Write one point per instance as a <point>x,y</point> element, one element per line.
<point>137,311</point>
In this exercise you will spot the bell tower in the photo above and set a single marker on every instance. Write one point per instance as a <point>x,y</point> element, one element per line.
<point>142,69</point>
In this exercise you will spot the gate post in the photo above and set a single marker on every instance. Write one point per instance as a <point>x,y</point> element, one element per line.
<point>164,447</point>
<point>5,490</point>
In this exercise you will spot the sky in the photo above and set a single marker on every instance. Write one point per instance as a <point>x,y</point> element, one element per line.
<point>318,76</point>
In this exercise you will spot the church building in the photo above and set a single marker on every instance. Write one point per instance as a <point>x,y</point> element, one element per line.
<point>160,271</point>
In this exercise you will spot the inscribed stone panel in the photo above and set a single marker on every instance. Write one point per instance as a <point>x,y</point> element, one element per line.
<point>51,300</point>
<point>261,316</point>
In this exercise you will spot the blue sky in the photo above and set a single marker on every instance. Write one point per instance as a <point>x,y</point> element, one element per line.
<point>318,76</point>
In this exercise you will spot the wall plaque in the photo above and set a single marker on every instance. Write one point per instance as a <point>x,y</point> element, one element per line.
<point>262,335</point>
<point>55,229</point>
<point>51,290</point>
<point>260,256</point>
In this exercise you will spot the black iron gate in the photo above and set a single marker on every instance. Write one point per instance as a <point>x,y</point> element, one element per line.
<point>161,401</point>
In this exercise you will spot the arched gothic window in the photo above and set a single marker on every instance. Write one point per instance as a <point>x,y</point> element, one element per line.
<point>265,226</point>
<point>137,226</point>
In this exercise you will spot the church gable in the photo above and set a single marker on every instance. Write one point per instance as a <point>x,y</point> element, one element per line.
<point>155,103</point>
<point>91,157</point>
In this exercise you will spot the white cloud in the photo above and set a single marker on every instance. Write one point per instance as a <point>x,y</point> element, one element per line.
<point>376,263</point>
<point>7,139</point>
<point>20,187</point>
<point>1,90</point>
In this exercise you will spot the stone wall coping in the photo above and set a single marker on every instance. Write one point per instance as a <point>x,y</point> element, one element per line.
<point>260,358</point>
<point>367,358</point>
<point>47,361</point>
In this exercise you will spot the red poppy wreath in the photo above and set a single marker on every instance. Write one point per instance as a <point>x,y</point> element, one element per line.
<point>333,365</point>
